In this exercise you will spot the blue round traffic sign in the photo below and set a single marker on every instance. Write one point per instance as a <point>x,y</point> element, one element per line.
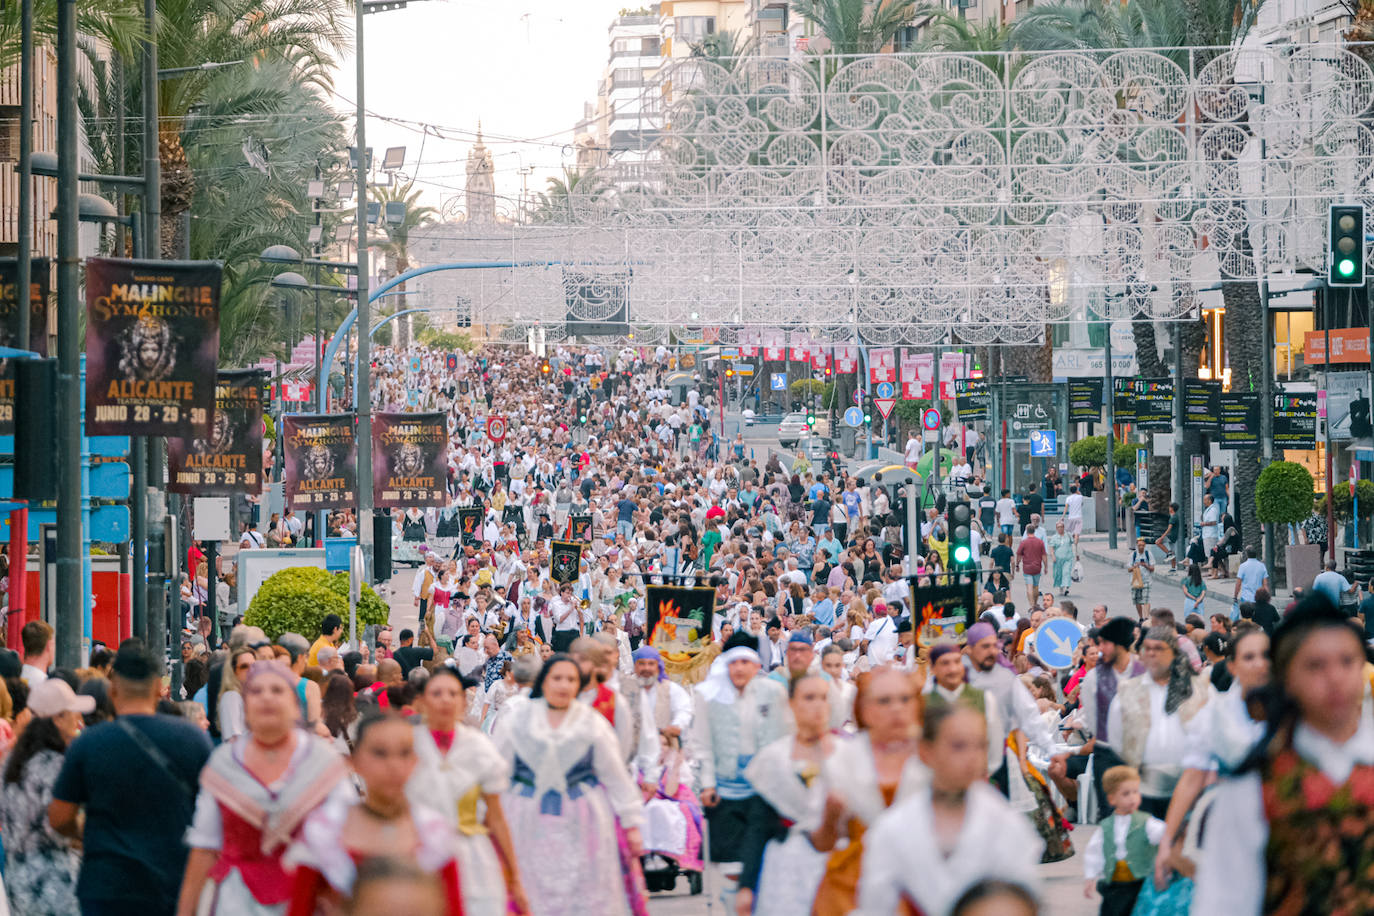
<point>854,417</point>
<point>1055,641</point>
<point>884,390</point>
<point>930,418</point>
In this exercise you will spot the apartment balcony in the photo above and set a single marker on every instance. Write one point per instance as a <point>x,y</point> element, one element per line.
<point>775,44</point>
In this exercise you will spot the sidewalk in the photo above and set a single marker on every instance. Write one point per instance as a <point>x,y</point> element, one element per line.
<point>1094,544</point>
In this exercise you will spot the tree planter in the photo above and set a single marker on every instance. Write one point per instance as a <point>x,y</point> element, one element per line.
<point>1303,562</point>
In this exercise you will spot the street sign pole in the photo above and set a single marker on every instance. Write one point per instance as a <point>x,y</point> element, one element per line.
<point>1110,398</point>
<point>935,399</point>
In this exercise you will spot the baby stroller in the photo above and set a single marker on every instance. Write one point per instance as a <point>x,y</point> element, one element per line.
<point>672,829</point>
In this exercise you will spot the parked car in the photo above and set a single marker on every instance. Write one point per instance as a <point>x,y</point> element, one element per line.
<point>792,429</point>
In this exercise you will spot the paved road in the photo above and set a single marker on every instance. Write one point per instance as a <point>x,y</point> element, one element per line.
<point>1061,884</point>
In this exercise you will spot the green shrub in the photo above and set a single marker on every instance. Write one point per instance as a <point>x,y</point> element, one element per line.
<point>807,388</point>
<point>1091,452</point>
<point>1284,494</point>
<point>296,600</point>
<point>1344,504</point>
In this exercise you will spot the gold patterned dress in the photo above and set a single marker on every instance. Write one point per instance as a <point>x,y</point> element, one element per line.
<point>452,781</point>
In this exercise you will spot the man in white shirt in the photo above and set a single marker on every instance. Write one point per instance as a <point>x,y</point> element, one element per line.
<point>1073,513</point>
<point>662,713</point>
<point>567,618</point>
<point>1153,719</point>
<point>880,639</point>
<point>1211,523</point>
<point>1006,513</point>
<point>913,449</point>
<point>36,638</point>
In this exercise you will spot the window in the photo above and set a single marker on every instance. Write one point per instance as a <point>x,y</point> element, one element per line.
<point>694,28</point>
<point>1290,335</point>
<point>905,38</point>
<point>9,133</point>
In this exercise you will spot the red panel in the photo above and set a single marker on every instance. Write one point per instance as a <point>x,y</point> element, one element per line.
<point>105,619</point>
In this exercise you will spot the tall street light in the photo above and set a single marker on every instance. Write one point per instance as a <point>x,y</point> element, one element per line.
<point>364,405</point>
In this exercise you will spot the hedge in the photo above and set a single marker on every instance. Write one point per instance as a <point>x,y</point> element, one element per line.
<point>1284,494</point>
<point>296,600</point>
<point>1091,452</point>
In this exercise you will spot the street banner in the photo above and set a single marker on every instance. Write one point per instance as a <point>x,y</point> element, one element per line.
<point>1085,400</point>
<point>774,344</point>
<point>820,358</point>
<point>229,459</point>
<point>1347,405</point>
<point>917,391</point>
<point>1348,345</point>
<point>798,346</point>
<point>1201,405</point>
<point>846,359</point>
<point>882,365</point>
<point>942,612</point>
<point>1238,416</point>
<point>1123,400</point>
<point>409,460</point>
<point>749,340</point>
<point>1295,420</point>
<point>580,528</point>
<point>470,525</point>
<point>152,347</point>
<point>679,619</point>
<point>972,399</point>
<point>40,274</point>
<point>1154,403</point>
<point>321,461</point>
<point>916,367</point>
<point>564,562</point>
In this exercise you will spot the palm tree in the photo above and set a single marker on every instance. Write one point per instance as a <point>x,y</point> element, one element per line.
<point>555,204</point>
<point>293,39</point>
<point>725,47</point>
<point>417,216</point>
<point>856,26</point>
<point>1178,28</point>
<point>118,22</point>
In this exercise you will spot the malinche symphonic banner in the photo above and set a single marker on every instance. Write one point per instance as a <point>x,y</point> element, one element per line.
<point>152,345</point>
<point>9,326</point>
<point>409,460</point>
<point>321,461</point>
<point>229,459</point>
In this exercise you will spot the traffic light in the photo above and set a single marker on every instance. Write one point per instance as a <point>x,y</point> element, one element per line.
<point>827,372</point>
<point>729,373</point>
<point>544,367</point>
<point>810,418</point>
<point>960,534</point>
<point>1346,246</point>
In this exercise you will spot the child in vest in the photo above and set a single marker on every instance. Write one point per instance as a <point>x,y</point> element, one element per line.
<point>1121,855</point>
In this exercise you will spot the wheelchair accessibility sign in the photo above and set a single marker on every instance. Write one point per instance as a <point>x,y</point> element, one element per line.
<point>1044,443</point>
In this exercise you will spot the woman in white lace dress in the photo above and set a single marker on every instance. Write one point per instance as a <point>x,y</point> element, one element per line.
<point>569,786</point>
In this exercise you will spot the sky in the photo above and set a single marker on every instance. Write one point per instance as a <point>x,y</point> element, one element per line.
<point>523,67</point>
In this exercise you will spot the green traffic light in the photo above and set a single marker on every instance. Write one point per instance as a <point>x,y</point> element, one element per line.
<point>1345,267</point>
<point>962,554</point>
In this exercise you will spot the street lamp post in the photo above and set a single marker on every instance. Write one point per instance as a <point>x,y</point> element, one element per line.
<point>364,405</point>
<point>70,594</point>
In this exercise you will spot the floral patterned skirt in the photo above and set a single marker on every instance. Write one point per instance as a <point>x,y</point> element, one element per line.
<point>576,868</point>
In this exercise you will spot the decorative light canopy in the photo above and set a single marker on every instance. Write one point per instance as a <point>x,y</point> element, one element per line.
<point>908,197</point>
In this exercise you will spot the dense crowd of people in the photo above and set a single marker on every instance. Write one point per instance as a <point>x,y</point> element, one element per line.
<point>529,744</point>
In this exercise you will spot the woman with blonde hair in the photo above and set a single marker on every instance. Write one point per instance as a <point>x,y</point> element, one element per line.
<point>857,618</point>
<point>230,711</point>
